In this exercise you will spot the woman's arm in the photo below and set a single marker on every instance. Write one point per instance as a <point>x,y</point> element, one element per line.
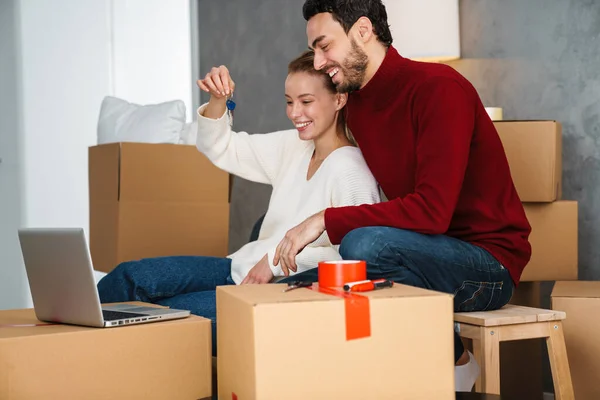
<point>255,157</point>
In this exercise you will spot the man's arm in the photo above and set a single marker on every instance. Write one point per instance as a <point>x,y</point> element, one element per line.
<point>445,116</point>
<point>445,119</point>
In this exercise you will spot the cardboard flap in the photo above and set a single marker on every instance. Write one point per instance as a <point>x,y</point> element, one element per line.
<point>170,172</point>
<point>103,172</point>
<point>23,322</point>
<point>583,289</point>
<point>273,293</point>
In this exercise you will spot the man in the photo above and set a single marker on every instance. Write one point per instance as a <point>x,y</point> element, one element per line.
<point>453,222</point>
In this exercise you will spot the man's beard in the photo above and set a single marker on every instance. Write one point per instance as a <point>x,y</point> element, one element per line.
<point>354,69</point>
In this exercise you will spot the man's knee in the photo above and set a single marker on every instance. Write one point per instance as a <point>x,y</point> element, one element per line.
<point>362,244</point>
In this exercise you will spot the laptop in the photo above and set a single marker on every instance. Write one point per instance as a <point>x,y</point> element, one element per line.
<point>61,278</point>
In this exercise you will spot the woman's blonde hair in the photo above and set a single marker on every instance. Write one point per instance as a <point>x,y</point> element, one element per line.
<point>305,63</point>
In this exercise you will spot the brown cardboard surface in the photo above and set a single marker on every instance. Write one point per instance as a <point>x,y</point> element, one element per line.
<point>581,329</point>
<point>294,345</point>
<point>144,230</point>
<point>156,172</point>
<point>578,289</point>
<point>534,152</point>
<point>149,200</point>
<point>161,360</point>
<point>553,241</point>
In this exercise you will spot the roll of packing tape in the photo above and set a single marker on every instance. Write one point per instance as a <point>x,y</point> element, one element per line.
<point>495,113</point>
<point>338,273</point>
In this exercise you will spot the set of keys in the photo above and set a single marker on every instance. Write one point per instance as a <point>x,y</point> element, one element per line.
<point>230,104</point>
<point>297,285</point>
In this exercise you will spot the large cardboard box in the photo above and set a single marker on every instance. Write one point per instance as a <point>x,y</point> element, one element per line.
<point>150,200</point>
<point>534,152</point>
<point>160,360</point>
<point>305,344</point>
<point>553,241</point>
<point>581,301</point>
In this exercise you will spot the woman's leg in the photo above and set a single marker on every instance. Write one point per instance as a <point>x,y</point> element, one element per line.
<point>153,279</point>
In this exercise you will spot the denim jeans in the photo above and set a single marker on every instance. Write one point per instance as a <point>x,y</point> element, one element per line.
<point>437,262</point>
<point>183,282</point>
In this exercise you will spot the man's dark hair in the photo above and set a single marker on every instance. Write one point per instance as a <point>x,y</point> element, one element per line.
<point>347,12</point>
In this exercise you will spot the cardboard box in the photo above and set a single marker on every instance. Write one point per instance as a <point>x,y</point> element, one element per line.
<point>150,200</point>
<point>160,360</point>
<point>581,301</point>
<point>294,345</point>
<point>534,152</point>
<point>553,241</point>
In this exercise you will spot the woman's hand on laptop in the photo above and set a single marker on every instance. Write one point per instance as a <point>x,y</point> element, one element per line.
<point>260,273</point>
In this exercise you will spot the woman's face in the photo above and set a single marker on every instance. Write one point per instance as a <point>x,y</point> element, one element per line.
<point>311,106</point>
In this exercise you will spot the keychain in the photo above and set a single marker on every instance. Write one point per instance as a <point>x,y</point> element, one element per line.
<point>230,104</point>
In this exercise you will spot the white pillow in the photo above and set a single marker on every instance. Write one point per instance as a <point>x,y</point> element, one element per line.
<point>121,121</point>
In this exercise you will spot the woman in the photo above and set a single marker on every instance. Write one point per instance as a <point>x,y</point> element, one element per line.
<point>311,167</point>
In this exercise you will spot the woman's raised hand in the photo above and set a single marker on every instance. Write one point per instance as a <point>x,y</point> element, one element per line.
<point>217,82</point>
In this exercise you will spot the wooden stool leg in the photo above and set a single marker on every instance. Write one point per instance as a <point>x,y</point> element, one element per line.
<point>477,353</point>
<point>557,352</point>
<point>487,353</point>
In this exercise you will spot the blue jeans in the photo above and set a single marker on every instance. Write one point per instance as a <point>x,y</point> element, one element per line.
<point>437,262</point>
<point>183,282</point>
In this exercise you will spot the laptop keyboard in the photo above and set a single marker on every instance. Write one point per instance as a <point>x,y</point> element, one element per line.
<point>115,315</point>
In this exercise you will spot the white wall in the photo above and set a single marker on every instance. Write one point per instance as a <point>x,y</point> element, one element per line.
<point>59,59</point>
<point>152,51</point>
<point>66,49</point>
<point>13,282</point>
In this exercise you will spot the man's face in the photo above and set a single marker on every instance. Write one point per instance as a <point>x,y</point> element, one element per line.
<point>337,53</point>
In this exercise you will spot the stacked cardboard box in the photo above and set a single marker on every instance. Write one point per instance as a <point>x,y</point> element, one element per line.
<point>534,152</point>
<point>159,360</point>
<point>321,344</point>
<point>150,200</point>
<point>581,301</point>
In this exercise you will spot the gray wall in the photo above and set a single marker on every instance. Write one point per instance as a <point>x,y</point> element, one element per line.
<point>255,40</point>
<point>13,282</point>
<point>540,59</point>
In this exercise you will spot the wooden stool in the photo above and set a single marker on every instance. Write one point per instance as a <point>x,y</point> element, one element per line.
<point>488,328</point>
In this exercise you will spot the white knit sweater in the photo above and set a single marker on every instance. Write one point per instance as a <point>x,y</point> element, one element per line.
<point>281,159</point>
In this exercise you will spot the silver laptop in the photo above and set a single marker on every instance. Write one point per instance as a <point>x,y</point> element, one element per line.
<point>61,279</point>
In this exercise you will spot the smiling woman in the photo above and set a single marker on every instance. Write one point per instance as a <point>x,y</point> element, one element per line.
<point>311,91</point>
<point>311,167</point>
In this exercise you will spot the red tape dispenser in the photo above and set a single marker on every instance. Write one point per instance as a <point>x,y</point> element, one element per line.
<point>333,275</point>
<point>339,273</point>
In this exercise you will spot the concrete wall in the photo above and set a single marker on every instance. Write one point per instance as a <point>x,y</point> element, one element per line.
<point>255,40</point>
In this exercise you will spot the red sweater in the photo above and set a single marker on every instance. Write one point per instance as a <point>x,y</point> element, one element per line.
<point>437,157</point>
